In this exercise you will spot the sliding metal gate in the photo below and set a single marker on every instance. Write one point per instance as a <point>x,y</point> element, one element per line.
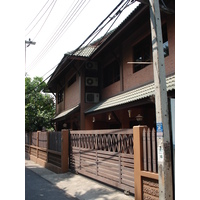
<point>105,155</point>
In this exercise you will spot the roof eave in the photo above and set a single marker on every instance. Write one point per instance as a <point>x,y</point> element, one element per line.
<point>119,29</point>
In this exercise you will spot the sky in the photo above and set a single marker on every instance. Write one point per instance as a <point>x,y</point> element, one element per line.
<point>54,38</point>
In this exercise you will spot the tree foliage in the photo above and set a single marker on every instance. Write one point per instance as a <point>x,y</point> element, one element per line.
<point>39,107</point>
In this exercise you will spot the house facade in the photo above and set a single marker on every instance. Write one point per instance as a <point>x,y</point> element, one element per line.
<point>97,87</point>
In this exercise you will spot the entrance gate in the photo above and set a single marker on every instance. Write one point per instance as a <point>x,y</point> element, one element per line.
<point>104,155</point>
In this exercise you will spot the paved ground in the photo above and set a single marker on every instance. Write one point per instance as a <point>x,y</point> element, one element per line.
<point>38,188</point>
<point>77,186</point>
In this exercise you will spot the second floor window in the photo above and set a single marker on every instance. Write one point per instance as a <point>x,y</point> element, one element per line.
<point>142,51</point>
<point>111,73</point>
<point>165,40</point>
<point>60,96</point>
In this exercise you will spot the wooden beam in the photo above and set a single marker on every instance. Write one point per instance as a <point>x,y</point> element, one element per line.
<point>149,174</point>
<point>139,63</point>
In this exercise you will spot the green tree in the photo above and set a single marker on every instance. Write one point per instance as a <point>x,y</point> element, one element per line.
<point>39,107</point>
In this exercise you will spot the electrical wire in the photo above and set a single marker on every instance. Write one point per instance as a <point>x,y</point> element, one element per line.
<point>48,44</point>
<point>45,20</point>
<point>40,18</point>
<point>95,31</point>
<point>117,14</point>
<point>63,30</point>
<point>37,15</point>
<point>50,70</point>
<point>66,21</point>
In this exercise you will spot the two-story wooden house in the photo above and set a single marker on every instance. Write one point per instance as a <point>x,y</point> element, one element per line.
<point>97,88</point>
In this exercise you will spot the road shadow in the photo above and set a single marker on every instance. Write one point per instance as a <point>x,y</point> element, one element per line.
<point>79,186</point>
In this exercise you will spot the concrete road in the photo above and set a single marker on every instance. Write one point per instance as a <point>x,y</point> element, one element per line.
<point>38,188</point>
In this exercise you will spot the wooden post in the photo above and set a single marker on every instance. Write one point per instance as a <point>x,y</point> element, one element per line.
<point>138,154</point>
<point>64,150</point>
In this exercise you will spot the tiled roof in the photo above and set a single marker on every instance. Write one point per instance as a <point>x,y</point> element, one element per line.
<point>83,52</point>
<point>66,112</point>
<point>133,95</point>
<point>88,50</point>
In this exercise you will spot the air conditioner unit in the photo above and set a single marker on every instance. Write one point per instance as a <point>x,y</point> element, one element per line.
<point>92,97</point>
<point>91,65</point>
<point>91,81</point>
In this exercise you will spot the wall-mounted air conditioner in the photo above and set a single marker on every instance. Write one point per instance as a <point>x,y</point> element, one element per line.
<point>91,81</point>
<point>92,97</point>
<point>90,65</point>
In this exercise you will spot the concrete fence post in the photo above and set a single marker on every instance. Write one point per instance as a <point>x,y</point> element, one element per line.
<point>64,150</point>
<point>138,159</point>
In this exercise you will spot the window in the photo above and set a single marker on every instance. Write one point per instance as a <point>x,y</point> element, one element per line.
<point>143,50</point>
<point>142,53</point>
<point>165,40</point>
<point>72,80</point>
<point>60,96</point>
<point>111,74</point>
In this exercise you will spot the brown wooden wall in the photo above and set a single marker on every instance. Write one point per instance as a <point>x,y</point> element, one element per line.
<point>145,163</point>
<point>105,155</point>
<point>48,149</point>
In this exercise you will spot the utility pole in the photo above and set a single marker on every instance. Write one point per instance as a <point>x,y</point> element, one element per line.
<point>29,42</point>
<point>161,101</point>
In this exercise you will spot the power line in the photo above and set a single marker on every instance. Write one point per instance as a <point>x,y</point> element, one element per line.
<point>117,14</point>
<point>50,70</point>
<point>53,37</point>
<point>67,12</point>
<point>97,31</point>
<point>45,20</point>
<point>61,28</point>
<point>40,18</point>
<point>37,15</point>
<point>65,30</point>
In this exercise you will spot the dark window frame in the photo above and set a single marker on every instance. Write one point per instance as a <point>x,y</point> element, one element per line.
<point>60,96</point>
<point>165,40</point>
<point>142,51</point>
<point>111,73</point>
